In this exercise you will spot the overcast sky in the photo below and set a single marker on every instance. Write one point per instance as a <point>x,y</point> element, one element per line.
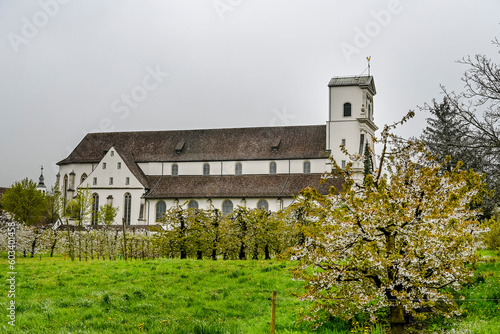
<point>69,67</point>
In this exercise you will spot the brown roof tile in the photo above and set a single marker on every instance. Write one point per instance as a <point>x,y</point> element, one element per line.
<point>297,142</point>
<point>250,186</point>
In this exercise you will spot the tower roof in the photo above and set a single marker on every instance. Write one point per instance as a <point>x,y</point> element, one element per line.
<point>365,82</point>
<point>41,179</point>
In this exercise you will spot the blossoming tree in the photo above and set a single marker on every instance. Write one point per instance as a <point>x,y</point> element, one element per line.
<point>400,240</point>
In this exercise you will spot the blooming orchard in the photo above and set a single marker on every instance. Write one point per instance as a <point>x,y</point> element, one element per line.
<point>401,240</point>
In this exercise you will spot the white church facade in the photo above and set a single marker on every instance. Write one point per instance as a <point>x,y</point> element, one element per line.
<point>145,173</point>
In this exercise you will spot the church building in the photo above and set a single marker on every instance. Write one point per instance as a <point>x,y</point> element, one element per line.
<point>145,173</point>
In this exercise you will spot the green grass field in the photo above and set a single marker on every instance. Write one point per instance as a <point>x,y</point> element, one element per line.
<point>190,296</point>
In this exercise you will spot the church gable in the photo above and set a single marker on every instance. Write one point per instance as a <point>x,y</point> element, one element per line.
<point>115,171</point>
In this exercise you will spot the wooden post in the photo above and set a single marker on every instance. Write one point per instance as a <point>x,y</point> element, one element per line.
<point>124,241</point>
<point>273,312</point>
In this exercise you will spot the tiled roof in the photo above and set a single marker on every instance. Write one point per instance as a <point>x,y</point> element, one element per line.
<point>295,142</point>
<point>364,81</point>
<point>248,186</point>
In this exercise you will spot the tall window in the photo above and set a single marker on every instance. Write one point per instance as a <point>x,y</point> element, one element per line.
<point>227,207</point>
<point>103,165</point>
<point>65,184</point>
<point>347,109</point>
<point>118,165</point>
<point>272,168</point>
<point>95,181</point>
<point>127,208</point>
<point>343,164</point>
<point>206,169</point>
<point>161,208</point>
<point>238,168</point>
<point>361,143</point>
<point>370,111</point>
<point>343,142</point>
<point>175,170</point>
<point>95,208</point>
<point>111,181</point>
<point>127,181</point>
<point>307,167</point>
<point>192,204</point>
<point>263,205</point>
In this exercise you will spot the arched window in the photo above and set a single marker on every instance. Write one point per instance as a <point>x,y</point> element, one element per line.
<point>192,204</point>
<point>127,208</point>
<point>263,205</point>
<point>238,168</point>
<point>307,167</point>
<point>83,178</point>
<point>227,207</point>
<point>206,169</point>
<point>65,190</point>
<point>347,109</point>
<point>272,168</point>
<point>161,208</point>
<point>175,170</point>
<point>95,208</point>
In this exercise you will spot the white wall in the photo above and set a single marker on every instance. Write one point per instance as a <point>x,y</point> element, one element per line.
<point>228,167</point>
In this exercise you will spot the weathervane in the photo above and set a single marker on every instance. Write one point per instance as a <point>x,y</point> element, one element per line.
<point>368,59</point>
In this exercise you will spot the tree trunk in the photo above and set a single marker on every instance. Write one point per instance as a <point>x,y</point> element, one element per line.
<point>397,319</point>
<point>266,252</point>
<point>242,255</point>
<point>33,245</point>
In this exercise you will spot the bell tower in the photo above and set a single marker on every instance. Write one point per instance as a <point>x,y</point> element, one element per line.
<point>350,121</point>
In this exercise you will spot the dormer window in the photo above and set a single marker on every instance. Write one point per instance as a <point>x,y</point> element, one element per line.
<point>347,109</point>
<point>175,170</point>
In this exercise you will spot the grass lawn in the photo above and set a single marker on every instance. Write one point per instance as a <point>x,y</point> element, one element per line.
<point>190,296</point>
<point>156,296</point>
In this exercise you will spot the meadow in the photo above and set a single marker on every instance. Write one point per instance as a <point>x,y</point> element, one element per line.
<point>54,295</point>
